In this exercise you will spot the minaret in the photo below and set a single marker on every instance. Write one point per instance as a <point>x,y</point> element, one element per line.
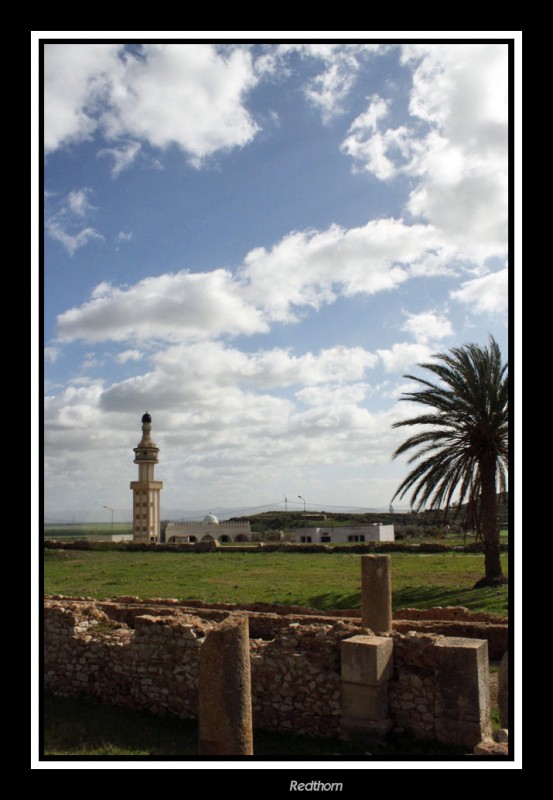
<point>146,490</point>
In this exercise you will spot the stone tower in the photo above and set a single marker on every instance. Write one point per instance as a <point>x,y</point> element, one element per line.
<point>146,490</point>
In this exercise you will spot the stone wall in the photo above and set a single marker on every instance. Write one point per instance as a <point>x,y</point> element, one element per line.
<point>152,666</point>
<point>496,634</point>
<point>144,660</point>
<point>412,691</point>
<point>268,547</point>
<point>296,682</point>
<point>447,620</point>
<point>145,655</point>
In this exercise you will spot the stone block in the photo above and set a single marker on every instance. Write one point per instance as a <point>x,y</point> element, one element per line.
<point>460,732</point>
<point>462,680</point>
<point>459,697</point>
<point>458,654</point>
<point>462,703</point>
<point>364,702</point>
<point>367,660</point>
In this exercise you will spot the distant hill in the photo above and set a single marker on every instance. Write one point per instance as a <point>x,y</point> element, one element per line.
<point>281,520</point>
<point>272,520</point>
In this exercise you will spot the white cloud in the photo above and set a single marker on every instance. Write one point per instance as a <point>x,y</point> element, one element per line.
<point>189,95</point>
<point>461,92</point>
<point>51,354</point>
<point>311,268</point>
<point>233,423</point>
<point>213,404</point>
<point>488,294</point>
<point>427,326</point>
<point>370,120</point>
<point>404,355</point>
<point>202,371</point>
<point>122,156</point>
<point>278,368</point>
<point>103,289</point>
<point>223,425</point>
<point>333,395</point>
<point>305,269</point>
<point>463,88</point>
<point>171,306</point>
<point>83,380</point>
<point>129,355</point>
<point>76,407</point>
<point>77,202</point>
<point>396,391</point>
<point>327,90</point>
<point>91,361</point>
<point>381,153</point>
<point>454,143</point>
<point>268,63</point>
<point>76,77</point>
<point>65,223</point>
<point>71,241</point>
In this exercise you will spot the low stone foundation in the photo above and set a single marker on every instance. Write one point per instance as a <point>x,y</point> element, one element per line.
<point>267,547</point>
<point>447,620</point>
<point>145,655</point>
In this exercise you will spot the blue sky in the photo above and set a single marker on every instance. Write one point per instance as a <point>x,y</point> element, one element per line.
<point>255,243</point>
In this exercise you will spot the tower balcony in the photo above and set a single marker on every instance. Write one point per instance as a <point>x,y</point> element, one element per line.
<point>146,484</point>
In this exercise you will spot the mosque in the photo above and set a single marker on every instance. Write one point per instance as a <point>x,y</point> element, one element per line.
<point>146,505</point>
<point>147,520</point>
<point>210,529</point>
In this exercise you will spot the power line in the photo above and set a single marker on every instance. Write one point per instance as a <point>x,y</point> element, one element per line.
<point>273,506</point>
<point>288,501</point>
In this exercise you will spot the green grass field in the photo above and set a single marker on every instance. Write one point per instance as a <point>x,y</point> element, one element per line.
<point>322,581</point>
<point>83,727</point>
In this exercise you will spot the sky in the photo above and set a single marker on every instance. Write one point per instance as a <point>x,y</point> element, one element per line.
<point>257,243</point>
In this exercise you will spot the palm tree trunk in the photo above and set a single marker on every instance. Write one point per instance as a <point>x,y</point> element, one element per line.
<point>489,523</point>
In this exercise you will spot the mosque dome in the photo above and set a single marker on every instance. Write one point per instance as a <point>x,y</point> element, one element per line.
<point>146,418</point>
<point>211,518</point>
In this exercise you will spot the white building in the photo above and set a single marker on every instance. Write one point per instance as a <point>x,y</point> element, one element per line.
<point>208,530</point>
<point>374,532</point>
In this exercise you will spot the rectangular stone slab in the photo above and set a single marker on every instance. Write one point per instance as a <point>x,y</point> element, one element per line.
<point>367,660</point>
<point>462,704</point>
<point>364,702</point>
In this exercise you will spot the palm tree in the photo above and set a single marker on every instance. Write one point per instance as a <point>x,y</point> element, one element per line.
<point>463,447</point>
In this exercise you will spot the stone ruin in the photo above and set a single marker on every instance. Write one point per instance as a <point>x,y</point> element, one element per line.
<point>224,693</point>
<point>310,674</point>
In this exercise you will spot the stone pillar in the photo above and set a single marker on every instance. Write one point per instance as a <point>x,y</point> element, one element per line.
<point>503,691</point>
<point>366,669</point>
<point>376,593</point>
<point>462,706</point>
<point>225,704</point>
